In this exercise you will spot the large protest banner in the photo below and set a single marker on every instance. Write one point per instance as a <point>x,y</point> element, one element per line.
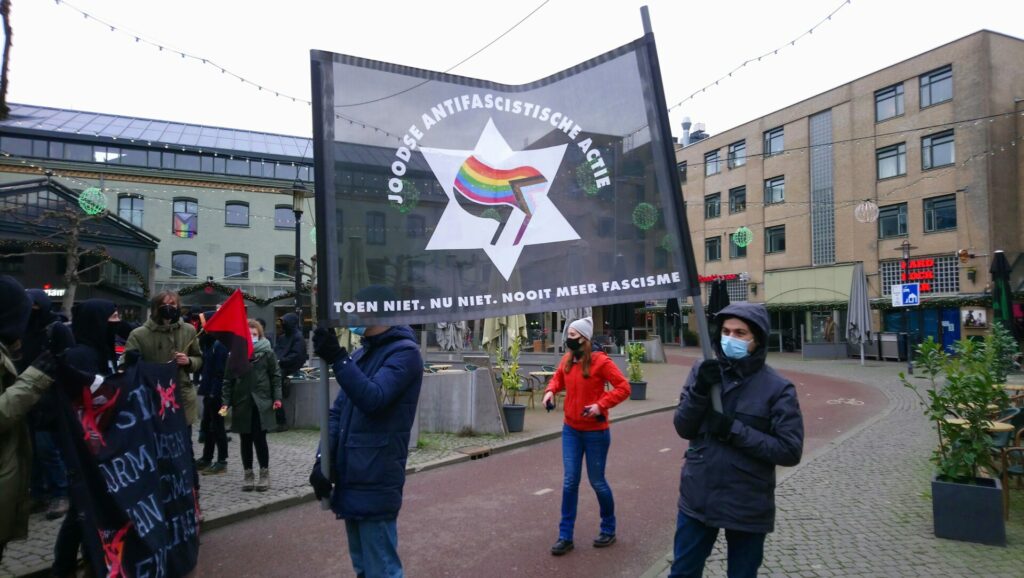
<point>127,447</point>
<point>467,198</point>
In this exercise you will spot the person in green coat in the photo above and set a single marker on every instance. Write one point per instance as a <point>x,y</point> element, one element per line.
<point>253,397</point>
<point>18,393</point>
<point>165,338</point>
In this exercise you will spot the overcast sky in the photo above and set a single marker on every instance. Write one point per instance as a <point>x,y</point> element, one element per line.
<point>62,59</point>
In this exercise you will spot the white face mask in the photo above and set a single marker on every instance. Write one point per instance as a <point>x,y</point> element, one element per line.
<point>255,337</point>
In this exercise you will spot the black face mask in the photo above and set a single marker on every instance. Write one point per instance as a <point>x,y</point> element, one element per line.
<point>574,344</point>
<point>169,312</point>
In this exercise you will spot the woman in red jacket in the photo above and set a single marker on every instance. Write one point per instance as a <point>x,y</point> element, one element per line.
<point>583,373</point>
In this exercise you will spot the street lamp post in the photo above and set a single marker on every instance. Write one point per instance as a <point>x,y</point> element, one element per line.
<point>906,247</point>
<point>298,197</point>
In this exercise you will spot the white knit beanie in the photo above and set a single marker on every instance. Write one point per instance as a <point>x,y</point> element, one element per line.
<point>585,326</point>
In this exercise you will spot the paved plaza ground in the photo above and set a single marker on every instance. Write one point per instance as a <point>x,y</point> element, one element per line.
<point>858,505</point>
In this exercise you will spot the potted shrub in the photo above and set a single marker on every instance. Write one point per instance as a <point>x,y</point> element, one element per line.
<point>635,372</point>
<point>511,383</point>
<point>965,505</point>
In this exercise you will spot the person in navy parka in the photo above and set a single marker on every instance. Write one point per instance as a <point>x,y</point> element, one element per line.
<point>728,477</point>
<point>369,428</point>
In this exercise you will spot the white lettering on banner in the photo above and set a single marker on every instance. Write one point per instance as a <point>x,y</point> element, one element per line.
<point>121,472</point>
<point>406,305</point>
<point>481,301</point>
<point>463,102</point>
<point>355,306</point>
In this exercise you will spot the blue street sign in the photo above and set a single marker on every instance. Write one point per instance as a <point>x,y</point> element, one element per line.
<point>906,295</point>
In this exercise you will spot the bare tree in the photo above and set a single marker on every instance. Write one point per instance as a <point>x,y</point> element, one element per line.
<point>66,240</point>
<point>5,15</point>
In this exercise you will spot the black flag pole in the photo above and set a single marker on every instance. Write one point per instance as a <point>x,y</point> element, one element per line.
<point>682,226</point>
<point>326,282</point>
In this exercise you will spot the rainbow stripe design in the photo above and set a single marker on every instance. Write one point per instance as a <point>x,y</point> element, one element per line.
<point>489,186</point>
<point>185,225</point>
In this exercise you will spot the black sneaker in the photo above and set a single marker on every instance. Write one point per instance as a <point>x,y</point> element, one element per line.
<point>201,464</point>
<point>604,540</point>
<point>562,546</point>
<point>216,469</point>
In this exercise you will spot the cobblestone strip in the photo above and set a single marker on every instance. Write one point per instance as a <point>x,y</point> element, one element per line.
<point>863,508</point>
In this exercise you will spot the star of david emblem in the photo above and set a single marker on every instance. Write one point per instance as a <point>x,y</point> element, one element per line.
<point>497,199</point>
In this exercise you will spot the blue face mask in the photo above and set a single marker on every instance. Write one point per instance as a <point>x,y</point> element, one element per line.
<point>358,330</point>
<point>734,348</point>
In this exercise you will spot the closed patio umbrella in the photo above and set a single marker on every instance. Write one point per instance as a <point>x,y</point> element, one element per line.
<point>858,311</point>
<point>1002,295</point>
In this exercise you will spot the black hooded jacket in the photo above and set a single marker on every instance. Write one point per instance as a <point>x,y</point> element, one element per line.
<point>46,330</point>
<point>94,337</point>
<point>15,310</point>
<point>290,348</point>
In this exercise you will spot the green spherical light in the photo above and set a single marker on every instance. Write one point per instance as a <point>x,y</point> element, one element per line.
<point>645,215</point>
<point>92,201</point>
<point>742,237</point>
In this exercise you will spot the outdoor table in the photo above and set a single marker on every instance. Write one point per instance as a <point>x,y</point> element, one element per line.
<point>451,371</point>
<point>440,366</point>
<point>997,427</point>
<point>956,421</point>
<point>1011,387</point>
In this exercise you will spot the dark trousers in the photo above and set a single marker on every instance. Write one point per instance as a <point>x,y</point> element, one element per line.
<point>69,540</point>
<point>286,387</point>
<point>693,544</point>
<point>49,479</point>
<point>256,438</point>
<point>213,428</point>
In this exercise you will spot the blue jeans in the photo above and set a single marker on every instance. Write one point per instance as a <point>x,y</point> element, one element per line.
<point>694,542</point>
<point>373,547</point>
<point>593,445</point>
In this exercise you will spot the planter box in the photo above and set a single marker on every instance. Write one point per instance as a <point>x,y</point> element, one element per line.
<point>638,390</point>
<point>969,512</point>
<point>515,416</point>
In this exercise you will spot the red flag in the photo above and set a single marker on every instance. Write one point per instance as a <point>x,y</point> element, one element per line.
<point>230,326</point>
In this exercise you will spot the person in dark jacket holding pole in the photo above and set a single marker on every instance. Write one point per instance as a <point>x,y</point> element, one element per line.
<point>46,330</point>
<point>211,387</point>
<point>290,349</point>
<point>728,477</point>
<point>370,424</point>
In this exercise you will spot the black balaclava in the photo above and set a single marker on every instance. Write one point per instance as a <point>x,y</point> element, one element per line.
<point>15,310</point>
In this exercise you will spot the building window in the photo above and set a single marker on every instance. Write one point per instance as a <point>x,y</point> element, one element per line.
<point>711,166</point>
<point>236,214</point>
<point>416,226</point>
<point>681,167</point>
<point>284,267</point>
<point>892,221</point>
<point>889,102</point>
<point>738,200</point>
<point>284,217</point>
<point>375,231</point>
<point>735,251</point>
<point>775,190</point>
<point>185,218</point>
<point>940,214</point>
<point>184,264</point>
<point>713,249</point>
<point>713,206</point>
<point>236,266</point>
<point>891,161</point>
<point>937,86</point>
<point>937,150</point>
<point>129,208</point>
<point>775,239</point>
<point>774,142</point>
<point>416,273</point>
<point>936,274</point>
<point>737,154</point>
